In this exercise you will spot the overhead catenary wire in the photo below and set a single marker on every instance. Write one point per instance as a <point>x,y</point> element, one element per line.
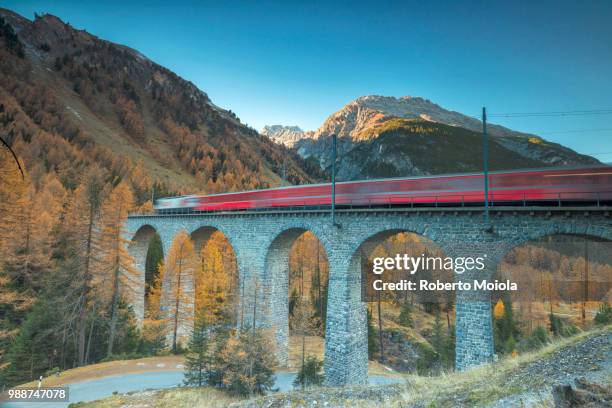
<point>569,113</point>
<point>557,132</point>
<point>591,112</point>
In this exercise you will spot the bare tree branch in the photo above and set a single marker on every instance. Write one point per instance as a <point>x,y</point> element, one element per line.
<point>14,156</point>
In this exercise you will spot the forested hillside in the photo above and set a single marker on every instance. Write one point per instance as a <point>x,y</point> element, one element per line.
<point>98,130</point>
<point>69,99</point>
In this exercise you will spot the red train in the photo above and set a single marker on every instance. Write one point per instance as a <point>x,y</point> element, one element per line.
<point>522,187</point>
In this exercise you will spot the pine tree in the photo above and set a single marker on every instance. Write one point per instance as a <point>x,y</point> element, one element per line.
<point>310,373</point>
<point>14,302</point>
<point>84,212</point>
<point>155,326</point>
<point>219,339</point>
<point>30,353</point>
<point>27,216</point>
<point>318,286</point>
<point>438,338</point>
<point>450,347</point>
<point>198,360</point>
<point>372,341</point>
<point>155,255</point>
<point>65,282</point>
<point>294,297</point>
<point>604,314</point>
<point>405,317</point>
<point>247,362</point>
<point>303,325</point>
<point>380,329</point>
<point>505,330</point>
<point>449,305</point>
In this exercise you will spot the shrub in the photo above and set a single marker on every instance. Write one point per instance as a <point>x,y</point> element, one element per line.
<point>310,374</point>
<point>52,371</point>
<point>604,314</point>
<point>537,339</point>
<point>247,363</point>
<point>561,327</point>
<point>427,358</point>
<point>510,345</point>
<point>504,326</point>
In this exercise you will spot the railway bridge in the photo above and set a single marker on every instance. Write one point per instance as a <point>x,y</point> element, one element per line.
<point>261,241</point>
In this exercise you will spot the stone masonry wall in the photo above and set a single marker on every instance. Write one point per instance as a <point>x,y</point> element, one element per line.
<point>261,243</point>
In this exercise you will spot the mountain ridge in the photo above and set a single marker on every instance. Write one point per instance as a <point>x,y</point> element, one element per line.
<point>285,135</point>
<point>360,124</point>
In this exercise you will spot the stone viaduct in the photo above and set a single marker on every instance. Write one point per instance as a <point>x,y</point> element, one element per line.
<point>262,242</point>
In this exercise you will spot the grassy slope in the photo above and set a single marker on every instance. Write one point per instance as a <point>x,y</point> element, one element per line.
<point>489,383</point>
<point>477,387</point>
<point>199,397</point>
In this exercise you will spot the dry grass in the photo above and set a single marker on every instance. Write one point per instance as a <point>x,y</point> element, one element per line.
<point>315,346</point>
<point>534,314</point>
<point>203,397</point>
<point>483,384</point>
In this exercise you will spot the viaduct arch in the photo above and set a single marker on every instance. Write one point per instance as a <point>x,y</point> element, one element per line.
<point>261,243</point>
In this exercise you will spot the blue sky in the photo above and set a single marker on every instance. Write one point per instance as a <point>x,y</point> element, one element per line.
<point>295,63</point>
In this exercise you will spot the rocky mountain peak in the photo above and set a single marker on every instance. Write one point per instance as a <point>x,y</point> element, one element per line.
<point>367,111</point>
<point>286,135</point>
<point>361,123</point>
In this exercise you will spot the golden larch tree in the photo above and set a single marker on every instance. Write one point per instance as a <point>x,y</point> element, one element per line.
<point>84,211</point>
<point>13,188</point>
<point>155,326</point>
<point>212,285</point>
<point>177,293</point>
<point>117,275</point>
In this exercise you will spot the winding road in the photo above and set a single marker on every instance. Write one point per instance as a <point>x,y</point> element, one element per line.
<point>103,387</point>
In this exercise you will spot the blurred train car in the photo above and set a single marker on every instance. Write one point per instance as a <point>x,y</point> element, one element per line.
<point>578,185</point>
<point>175,204</point>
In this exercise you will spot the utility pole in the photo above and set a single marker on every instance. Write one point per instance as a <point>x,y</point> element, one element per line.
<point>585,295</point>
<point>485,159</point>
<point>333,177</point>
